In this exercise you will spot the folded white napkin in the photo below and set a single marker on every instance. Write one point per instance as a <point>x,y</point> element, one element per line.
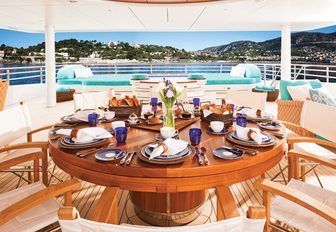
<point>86,134</point>
<point>253,113</point>
<point>83,115</point>
<point>206,113</point>
<point>242,132</point>
<point>174,146</point>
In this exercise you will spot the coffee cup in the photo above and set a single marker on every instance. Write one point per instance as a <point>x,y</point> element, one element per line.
<point>168,132</point>
<point>217,126</point>
<point>117,124</point>
<point>109,115</point>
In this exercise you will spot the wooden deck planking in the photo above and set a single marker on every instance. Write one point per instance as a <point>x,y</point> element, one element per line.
<point>244,194</point>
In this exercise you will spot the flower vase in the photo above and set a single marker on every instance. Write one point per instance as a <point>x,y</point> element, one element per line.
<point>169,119</point>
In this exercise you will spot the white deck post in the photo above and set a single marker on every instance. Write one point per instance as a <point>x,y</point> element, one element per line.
<point>50,65</point>
<point>286,52</point>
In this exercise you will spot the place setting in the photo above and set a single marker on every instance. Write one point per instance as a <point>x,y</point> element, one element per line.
<point>216,128</point>
<point>168,149</point>
<point>254,115</point>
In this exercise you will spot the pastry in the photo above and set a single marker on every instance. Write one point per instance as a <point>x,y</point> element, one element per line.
<point>148,114</point>
<point>178,112</point>
<point>258,113</point>
<point>205,107</point>
<point>114,102</point>
<point>154,120</point>
<point>217,110</point>
<point>129,100</point>
<point>136,101</point>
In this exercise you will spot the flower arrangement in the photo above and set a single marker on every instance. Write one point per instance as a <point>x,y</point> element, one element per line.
<point>169,95</point>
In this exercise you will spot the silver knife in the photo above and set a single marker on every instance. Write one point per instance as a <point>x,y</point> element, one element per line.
<point>128,161</point>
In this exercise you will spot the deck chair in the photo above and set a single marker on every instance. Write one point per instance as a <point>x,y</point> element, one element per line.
<point>15,123</point>
<point>106,211</point>
<point>316,119</point>
<point>92,100</point>
<point>33,206</point>
<point>300,205</point>
<point>248,98</point>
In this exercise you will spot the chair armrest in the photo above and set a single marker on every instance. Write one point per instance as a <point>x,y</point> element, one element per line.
<point>67,213</point>
<point>40,144</point>
<point>37,198</point>
<point>311,157</point>
<point>304,139</point>
<point>297,197</point>
<point>30,134</point>
<point>296,128</point>
<point>256,212</point>
<point>20,159</point>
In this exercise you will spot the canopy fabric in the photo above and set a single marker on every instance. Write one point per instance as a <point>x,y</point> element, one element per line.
<point>224,15</point>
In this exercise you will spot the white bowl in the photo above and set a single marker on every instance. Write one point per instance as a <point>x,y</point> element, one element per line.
<point>109,115</point>
<point>117,124</point>
<point>217,126</point>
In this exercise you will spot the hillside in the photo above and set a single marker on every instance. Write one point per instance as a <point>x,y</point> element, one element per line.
<point>306,47</point>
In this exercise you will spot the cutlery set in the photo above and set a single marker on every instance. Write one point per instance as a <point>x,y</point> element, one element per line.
<point>199,152</point>
<point>128,158</point>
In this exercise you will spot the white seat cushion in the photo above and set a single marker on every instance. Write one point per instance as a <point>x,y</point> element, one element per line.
<point>33,219</point>
<point>299,217</point>
<point>238,224</point>
<point>4,156</point>
<point>315,149</point>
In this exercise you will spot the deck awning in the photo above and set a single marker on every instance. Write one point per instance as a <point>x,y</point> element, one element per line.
<point>225,15</point>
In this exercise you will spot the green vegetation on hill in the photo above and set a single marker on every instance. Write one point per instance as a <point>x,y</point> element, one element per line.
<point>306,47</point>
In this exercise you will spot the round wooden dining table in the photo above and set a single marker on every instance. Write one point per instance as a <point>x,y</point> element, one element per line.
<point>176,189</point>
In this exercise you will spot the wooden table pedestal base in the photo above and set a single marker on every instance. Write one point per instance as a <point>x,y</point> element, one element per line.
<point>168,209</point>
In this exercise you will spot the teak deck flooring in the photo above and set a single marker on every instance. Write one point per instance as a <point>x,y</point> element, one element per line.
<point>244,193</point>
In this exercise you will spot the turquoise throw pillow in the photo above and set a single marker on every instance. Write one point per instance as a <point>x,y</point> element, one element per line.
<point>67,72</point>
<point>322,97</point>
<point>315,84</point>
<point>140,76</point>
<point>265,88</point>
<point>196,75</point>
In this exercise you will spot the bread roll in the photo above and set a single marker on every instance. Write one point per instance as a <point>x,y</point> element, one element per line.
<point>154,120</point>
<point>114,102</point>
<point>136,101</point>
<point>129,100</point>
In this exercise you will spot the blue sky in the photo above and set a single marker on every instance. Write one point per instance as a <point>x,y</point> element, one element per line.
<point>190,41</point>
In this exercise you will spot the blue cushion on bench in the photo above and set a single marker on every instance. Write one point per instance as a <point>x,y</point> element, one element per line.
<point>315,84</point>
<point>265,88</point>
<point>68,72</point>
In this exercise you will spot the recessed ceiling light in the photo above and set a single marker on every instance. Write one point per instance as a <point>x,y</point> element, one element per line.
<point>73,1</point>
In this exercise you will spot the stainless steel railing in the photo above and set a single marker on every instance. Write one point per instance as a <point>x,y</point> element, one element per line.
<point>36,74</point>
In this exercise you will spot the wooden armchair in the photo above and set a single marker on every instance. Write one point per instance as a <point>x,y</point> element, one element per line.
<point>34,206</point>
<point>15,123</point>
<point>298,204</point>
<point>106,211</point>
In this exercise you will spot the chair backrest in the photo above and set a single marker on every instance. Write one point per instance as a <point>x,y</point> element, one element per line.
<point>238,224</point>
<point>91,100</point>
<point>319,119</point>
<point>15,122</point>
<point>248,98</point>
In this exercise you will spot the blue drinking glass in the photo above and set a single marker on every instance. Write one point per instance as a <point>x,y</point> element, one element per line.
<point>241,121</point>
<point>196,102</point>
<point>93,119</point>
<point>195,135</point>
<point>154,101</point>
<point>120,134</point>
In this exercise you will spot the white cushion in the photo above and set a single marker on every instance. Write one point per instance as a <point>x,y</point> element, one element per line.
<point>315,149</point>
<point>4,156</point>
<point>15,122</point>
<point>83,73</point>
<point>33,219</point>
<point>300,92</point>
<point>237,71</point>
<point>91,100</point>
<point>238,224</point>
<point>299,217</point>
